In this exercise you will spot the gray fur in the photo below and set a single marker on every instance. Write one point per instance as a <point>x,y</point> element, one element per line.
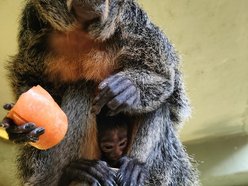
<point>144,55</point>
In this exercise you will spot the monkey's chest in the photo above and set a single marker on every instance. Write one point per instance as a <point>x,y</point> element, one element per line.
<point>96,67</point>
<point>75,57</point>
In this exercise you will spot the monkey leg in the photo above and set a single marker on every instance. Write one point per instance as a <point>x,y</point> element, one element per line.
<point>118,93</point>
<point>93,172</point>
<point>131,172</point>
<point>27,132</point>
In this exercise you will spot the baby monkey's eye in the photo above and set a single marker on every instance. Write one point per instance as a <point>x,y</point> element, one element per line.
<point>108,147</point>
<point>123,143</point>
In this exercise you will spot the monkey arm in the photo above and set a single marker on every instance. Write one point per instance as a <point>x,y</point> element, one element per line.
<point>146,79</point>
<point>134,91</point>
<point>22,80</point>
<point>147,62</point>
<point>25,71</point>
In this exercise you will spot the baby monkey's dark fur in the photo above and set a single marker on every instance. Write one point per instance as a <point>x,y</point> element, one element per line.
<point>88,59</point>
<point>113,137</point>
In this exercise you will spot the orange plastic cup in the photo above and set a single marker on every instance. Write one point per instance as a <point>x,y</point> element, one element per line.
<point>37,106</point>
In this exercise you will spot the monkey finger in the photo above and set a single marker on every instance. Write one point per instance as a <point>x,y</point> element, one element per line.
<point>33,139</point>
<point>92,166</point>
<point>141,178</point>
<point>100,95</point>
<point>106,169</point>
<point>107,176</point>
<point>7,123</point>
<point>111,90</point>
<point>118,89</point>
<point>100,101</point>
<point>121,174</point>
<point>25,128</point>
<point>97,169</point>
<point>113,86</point>
<point>24,133</point>
<point>128,172</point>
<point>114,79</point>
<point>19,138</point>
<point>79,175</point>
<point>103,176</point>
<point>8,106</point>
<point>100,104</point>
<point>123,178</point>
<point>124,106</point>
<point>124,160</point>
<point>122,84</point>
<point>135,175</point>
<point>123,97</point>
<point>36,132</point>
<point>142,173</point>
<point>32,136</point>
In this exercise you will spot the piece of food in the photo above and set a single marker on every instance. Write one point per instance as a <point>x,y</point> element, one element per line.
<point>37,106</point>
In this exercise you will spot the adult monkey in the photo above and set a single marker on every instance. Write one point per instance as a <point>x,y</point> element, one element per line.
<point>69,47</point>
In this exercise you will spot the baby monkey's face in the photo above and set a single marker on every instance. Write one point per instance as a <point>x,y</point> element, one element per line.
<point>113,144</point>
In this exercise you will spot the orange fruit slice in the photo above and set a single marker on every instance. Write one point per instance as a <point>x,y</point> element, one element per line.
<point>37,106</point>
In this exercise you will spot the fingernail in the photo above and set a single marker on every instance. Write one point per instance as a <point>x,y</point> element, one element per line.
<point>29,126</point>
<point>40,131</point>
<point>8,106</point>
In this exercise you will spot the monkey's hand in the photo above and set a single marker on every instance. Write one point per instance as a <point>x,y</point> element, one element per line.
<point>131,173</point>
<point>27,132</point>
<point>94,172</point>
<point>118,93</point>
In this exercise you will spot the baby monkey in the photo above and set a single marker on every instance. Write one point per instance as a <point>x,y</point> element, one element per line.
<point>113,138</point>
